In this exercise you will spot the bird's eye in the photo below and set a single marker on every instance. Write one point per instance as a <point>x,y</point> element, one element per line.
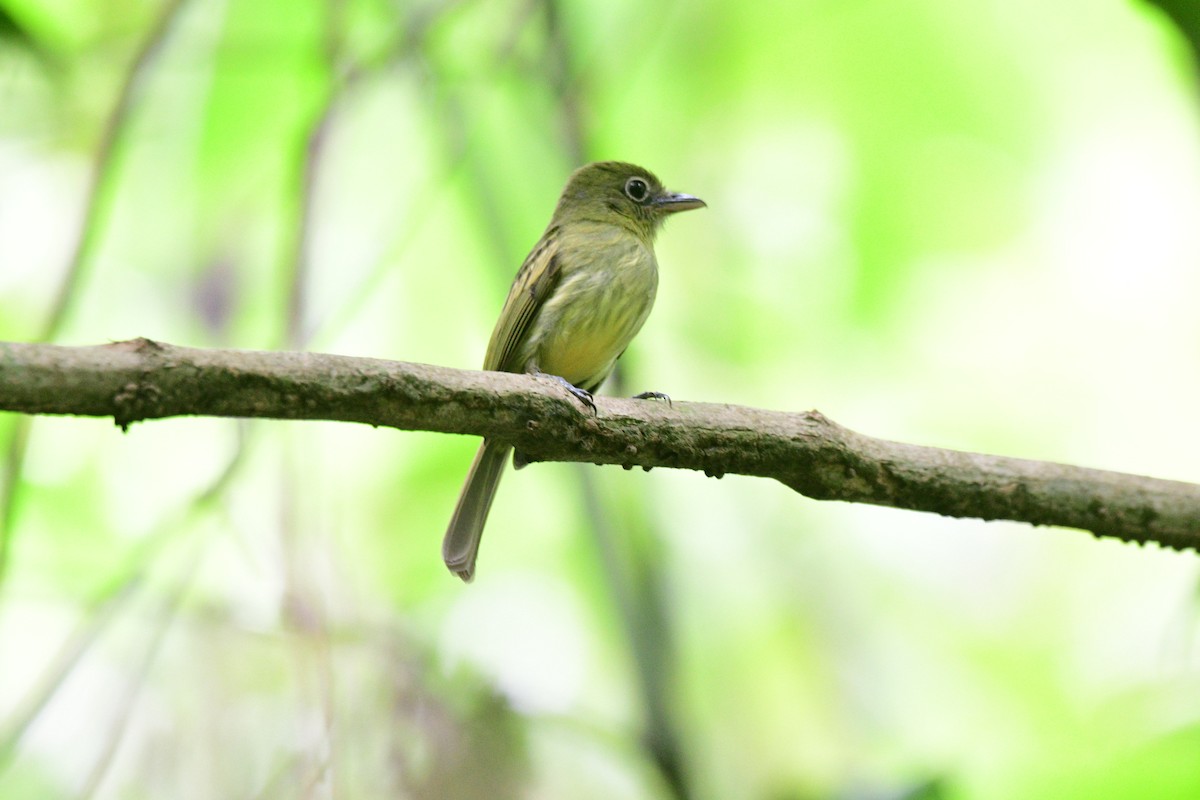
<point>636,189</point>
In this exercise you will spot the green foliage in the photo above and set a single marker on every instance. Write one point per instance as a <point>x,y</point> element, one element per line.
<point>962,224</point>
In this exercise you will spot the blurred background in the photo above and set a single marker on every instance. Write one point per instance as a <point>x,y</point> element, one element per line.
<point>972,225</point>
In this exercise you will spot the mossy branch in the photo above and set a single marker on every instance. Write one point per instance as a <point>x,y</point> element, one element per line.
<point>141,379</point>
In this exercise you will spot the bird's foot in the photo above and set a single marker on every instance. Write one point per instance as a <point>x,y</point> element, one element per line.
<point>583,395</point>
<point>654,396</point>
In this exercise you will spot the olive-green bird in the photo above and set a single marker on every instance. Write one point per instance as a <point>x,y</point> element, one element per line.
<point>578,300</point>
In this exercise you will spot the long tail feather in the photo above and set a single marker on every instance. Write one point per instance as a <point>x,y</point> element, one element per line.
<point>461,544</point>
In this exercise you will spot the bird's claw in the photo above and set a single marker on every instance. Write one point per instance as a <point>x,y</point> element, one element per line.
<point>583,395</point>
<point>655,396</point>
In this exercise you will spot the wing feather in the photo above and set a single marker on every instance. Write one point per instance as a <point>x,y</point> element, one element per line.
<point>535,282</point>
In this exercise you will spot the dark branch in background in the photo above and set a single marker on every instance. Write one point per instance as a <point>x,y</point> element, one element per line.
<point>140,380</point>
<point>566,84</point>
<point>404,53</point>
<point>305,614</point>
<point>337,81</point>
<point>96,204</point>
<point>637,582</point>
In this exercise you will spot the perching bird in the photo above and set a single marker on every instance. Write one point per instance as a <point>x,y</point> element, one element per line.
<point>578,300</point>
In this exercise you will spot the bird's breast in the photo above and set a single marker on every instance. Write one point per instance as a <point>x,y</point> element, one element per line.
<point>601,302</point>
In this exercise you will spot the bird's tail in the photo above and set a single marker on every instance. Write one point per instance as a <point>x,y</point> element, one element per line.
<point>461,544</point>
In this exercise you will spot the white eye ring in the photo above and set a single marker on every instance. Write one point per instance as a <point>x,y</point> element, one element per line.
<point>637,190</point>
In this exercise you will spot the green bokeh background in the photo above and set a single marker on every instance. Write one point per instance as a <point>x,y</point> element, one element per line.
<point>965,224</point>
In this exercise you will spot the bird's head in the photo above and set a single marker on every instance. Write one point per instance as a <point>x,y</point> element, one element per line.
<point>620,193</point>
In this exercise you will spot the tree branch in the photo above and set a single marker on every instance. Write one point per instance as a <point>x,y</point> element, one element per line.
<point>141,379</point>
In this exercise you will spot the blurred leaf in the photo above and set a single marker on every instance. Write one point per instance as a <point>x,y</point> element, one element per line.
<point>15,33</point>
<point>1186,16</point>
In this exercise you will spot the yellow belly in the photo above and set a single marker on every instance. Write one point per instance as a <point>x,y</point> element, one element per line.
<point>600,303</point>
<point>584,357</point>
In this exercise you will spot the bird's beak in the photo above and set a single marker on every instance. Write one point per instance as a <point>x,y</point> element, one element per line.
<point>671,202</point>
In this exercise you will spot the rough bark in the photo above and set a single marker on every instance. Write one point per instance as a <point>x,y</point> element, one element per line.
<point>141,379</point>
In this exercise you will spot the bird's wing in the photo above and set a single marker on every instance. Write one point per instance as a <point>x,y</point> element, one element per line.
<point>535,282</point>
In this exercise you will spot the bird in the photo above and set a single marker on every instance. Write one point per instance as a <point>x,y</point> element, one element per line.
<point>581,295</point>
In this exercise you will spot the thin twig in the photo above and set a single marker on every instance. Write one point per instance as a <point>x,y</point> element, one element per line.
<point>167,611</point>
<point>104,608</point>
